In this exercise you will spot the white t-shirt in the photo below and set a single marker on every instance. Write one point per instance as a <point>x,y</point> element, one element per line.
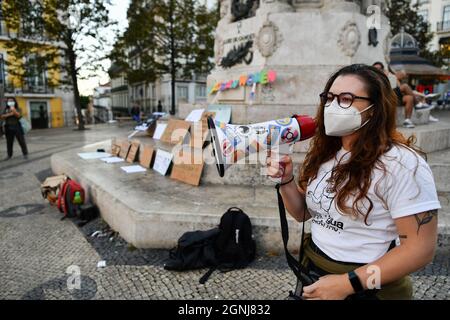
<point>408,188</point>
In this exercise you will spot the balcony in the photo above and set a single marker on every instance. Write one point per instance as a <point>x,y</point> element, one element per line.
<point>443,26</point>
<point>3,28</point>
<point>25,32</point>
<point>29,89</point>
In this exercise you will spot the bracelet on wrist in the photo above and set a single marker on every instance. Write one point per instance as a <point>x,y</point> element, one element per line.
<point>355,282</point>
<point>287,182</point>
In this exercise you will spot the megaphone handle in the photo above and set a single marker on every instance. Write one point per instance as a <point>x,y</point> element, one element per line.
<point>269,155</point>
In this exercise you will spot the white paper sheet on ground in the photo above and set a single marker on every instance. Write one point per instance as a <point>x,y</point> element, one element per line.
<point>223,112</point>
<point>133,169</point>
<point>93,155</point>
<point>162,161</point>
<point>142,127</point>
<point>112,160</point>
<point>195,115</point>
<point>160,127</point>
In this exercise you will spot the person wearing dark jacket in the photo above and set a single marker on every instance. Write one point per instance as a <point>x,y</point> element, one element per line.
<point>13,128</point>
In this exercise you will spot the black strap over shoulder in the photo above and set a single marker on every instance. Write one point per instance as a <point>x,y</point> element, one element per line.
<point>299,270</point>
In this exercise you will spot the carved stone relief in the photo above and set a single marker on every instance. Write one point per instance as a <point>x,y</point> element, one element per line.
<point>349,39</point>
<point>268,39</point>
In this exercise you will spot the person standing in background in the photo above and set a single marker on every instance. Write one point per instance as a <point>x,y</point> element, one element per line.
<point>13,128</point>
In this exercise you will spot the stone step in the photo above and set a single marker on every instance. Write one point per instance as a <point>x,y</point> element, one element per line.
<point>430,137</point>
<point>419,117</point>
<point>153,211</point>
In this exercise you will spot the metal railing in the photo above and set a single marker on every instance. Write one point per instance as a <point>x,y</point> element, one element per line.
<point>10,88</point>
<point>443,26</point>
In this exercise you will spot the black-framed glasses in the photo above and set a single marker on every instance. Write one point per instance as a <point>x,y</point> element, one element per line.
<point>345,99</point>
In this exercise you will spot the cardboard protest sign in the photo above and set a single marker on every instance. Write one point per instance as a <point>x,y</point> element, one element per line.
<point>188,166</point>
<point>195,115</point>
<point>163,160</point>
<point>146,153</point>
<point>160,128</point>
<point>198,134</point>
<point>132,153</point>
<point>115,150</point>
<point>175,131</point>
<point>124,148</point>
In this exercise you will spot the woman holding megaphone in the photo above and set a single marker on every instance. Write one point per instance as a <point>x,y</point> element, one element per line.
<point>368,192</point>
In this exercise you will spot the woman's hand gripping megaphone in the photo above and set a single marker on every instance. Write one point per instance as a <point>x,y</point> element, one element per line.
<point>280,167</point>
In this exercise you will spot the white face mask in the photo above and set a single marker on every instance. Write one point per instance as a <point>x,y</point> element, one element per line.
<point>10,103</point>
<point>341,122</point>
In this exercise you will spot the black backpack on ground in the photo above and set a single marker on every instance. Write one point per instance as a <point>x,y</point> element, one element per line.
<point>195,250</point>
<point>235,247</point>
<point>231,246</point>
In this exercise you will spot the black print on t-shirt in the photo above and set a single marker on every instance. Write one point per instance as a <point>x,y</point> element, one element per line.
<point>323,195</point>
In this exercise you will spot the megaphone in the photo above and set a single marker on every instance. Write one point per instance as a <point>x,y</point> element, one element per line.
<point>231,143</point>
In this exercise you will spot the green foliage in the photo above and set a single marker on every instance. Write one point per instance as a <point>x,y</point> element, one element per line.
<point>166,37</point>
<point>402,15</point>
<point>61,35</point>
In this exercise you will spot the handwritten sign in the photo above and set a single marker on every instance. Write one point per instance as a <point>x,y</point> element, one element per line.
<point>124,148</point>
<point>195,115</point>
<point>185,169</point>
<point>222,112</point>
<point>160,128</point>
<point>115,147</point>
<point>146,153</point>
<point>132,153</point>
<point>162,161</point>
<point>176,131</point>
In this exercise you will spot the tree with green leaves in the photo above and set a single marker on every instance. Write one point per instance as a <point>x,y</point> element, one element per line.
<point>172,37</point>
<point>66,36</point>
<point>402,16</point>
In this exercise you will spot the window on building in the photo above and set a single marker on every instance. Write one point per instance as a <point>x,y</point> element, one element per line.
<point>182,93</point>
<point>32,24</point>
<point>35,73</point>
<point>200,91</point>
<point>446,14</point>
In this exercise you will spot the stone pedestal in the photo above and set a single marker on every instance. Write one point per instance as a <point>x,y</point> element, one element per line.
<point>303,41</point>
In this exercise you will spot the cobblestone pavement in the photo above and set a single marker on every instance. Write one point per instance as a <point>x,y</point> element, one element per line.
<point>39,253</point>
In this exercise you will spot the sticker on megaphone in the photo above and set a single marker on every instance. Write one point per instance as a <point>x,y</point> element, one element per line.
<point>236,143</point>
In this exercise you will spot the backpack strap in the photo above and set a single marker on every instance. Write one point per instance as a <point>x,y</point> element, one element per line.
<point>206,276</point>
<point>299,270</point>
<point>61,195</point>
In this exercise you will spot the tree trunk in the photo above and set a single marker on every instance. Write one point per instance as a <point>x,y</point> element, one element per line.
<point>173,71</point>
<point>76,92</point>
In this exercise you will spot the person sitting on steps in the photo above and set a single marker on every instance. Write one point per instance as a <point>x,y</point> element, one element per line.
<point>405,98</point>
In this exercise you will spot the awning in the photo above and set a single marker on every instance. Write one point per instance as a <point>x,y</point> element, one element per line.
<point>418,67</point>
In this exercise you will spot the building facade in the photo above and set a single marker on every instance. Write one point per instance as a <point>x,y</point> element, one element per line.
<point>147,95</point>
<point>437,13</point>
<point>120,105</point>
<point>40,98</point>
<point>101,102</point>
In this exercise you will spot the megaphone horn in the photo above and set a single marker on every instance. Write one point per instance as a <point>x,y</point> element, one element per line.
<point>231,143</point>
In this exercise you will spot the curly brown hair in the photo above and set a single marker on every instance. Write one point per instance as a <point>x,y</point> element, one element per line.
<point>353,178</point>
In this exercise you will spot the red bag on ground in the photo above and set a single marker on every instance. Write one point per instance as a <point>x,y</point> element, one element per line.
<point>67,196</point>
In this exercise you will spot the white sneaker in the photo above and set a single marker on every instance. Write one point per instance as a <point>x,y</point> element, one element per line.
<point>408,124</point>
<point>423,106</point>
<point>433,119</point>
